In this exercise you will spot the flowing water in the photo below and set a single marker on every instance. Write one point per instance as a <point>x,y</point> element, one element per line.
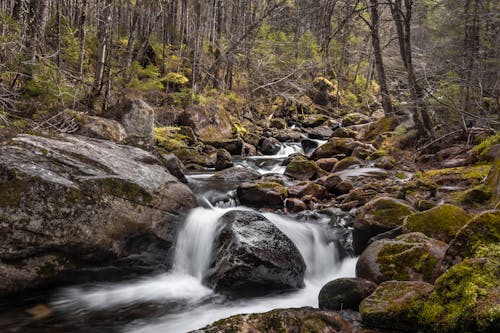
<point>195,305</point>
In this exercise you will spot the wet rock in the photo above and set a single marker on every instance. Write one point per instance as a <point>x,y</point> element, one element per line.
<point>236,174</point>
<point>137,119</point>
<point>175,166</point>
<point>346,163</point>
<point>288,136</point>
<point>233,146</point>
<point>307,189</point>
<point>301,169</point>
<point>294,205</point>
<point>441,222</point>
<point>393,305</point>
<point>336,146</point>
<point>391,234</point>
<point>223,160</point>
<point>71,200</point>
<point>478,238</point>
<point>101,128</point>
<point>286,321</point>
<point>345,293</point>
<point>270,146</point>
<point>308,145</point>
<point>378,216</point>
<point>262,194</point>
<point>327,164</point>
<point>252,139</point>
<point>252,257</point>
<point>410,257</point>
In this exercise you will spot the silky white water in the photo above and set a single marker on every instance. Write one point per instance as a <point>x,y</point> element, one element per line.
<point>191,260</point>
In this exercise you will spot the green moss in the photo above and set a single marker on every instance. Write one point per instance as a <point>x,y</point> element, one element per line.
<point>465,299</point>
<point>277,187</point>
<point>481,150</point>
<point>478,172</point>
<point>126,190</point>
<point>441,222</point>
<point>477,195</point>
<point>170,139</point>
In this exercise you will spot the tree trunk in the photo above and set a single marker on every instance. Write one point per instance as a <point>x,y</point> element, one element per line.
<point>103,32</point>
<point>81,37</point>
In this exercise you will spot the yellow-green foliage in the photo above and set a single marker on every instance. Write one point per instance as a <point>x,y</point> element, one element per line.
<point>177,79</point>
<point>478,172</point>
<point>143,79</point>
<point>169,138</point>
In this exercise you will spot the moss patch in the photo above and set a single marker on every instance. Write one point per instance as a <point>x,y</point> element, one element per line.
<point>482,149</point>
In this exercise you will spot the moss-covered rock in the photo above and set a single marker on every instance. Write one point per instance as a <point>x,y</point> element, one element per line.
<point>301,169</point>
<point>262,194</point>
<point>410,257</point>
<point>346,163</point>
<point>465,299</point>
<point>493,182</point>
<point>313,120</point>
<point>482,150</point>
<point>345,293</point>
<point>355,118</point>
<point>378,216</point>
<point>479,238</point>
<point>465,176</point>
<point>394,304</point>
<point>441,222</point>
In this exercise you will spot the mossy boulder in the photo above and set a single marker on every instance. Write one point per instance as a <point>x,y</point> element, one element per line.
<point>323,92</point>
<point>71,200</point>
<point>347,163</point>
<point>313,120</point>
<point>355,118</point>
<point>441,222</point>
<point>377,216</point>
<point>409,257</point>
<point>334,147</point>
<point>393,305</point>
<point>465,299</point>
<point>478,238</point>
<point>192,155</point>
<point>345,293</point>
<point>303,320</point>
<point>482,150</point>
<point>262,194</point>
<point>301,169</point>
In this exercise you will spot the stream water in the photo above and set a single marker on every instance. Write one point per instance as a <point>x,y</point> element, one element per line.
<point>191,305</point>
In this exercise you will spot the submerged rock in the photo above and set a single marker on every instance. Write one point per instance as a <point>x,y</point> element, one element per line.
<point>345,293</point>
<point>71,200</point>
<point>252,256</point>
<point>410,257</point>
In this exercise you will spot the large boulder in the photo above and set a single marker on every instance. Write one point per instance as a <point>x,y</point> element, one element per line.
<point>262,194</point>
<point>209,122</point>
<point>252,256</point>
<point>441,222</point>
<point>334,147</point>
<point>306,320</point>
<point>378,216</point>
<point>480,237</point>
<point>394,304</point>
<point>270,146</point>
<point>301,169</point>
<point>70,200</point>
<point>223,160</point>
<point>236,174</point>
<point>409,257</point>
<point>345,293</point>
<point>101,128</point>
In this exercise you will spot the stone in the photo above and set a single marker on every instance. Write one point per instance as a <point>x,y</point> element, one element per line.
<point>175,166</point>
<point>330,182</point>
<point>313,120</point>
<point>493,182</point>
<point>308,145</point>
<point>347,163</point>
<point>441,222</point>
<point>223,160</point>
<point>102,128</point>
<point>262,194</point>
<point>478,238</point>
<point>327,164</point>
<point>335,146</point>
<point>355,118</point>
<point>278,123</point>
<point>233,146</point>
<point>345,293</point>
<point>410,257</point>
<point>307,188</point>
<point>386,162</point>
<point>378,216</point>
<point>320,133</point>
<point>270,146</point>
<point>301,169</point>
<point>70,200</point>
<point>393,305</point>
<point>236,174</point>
<point>253,257</point>
<point>294,205</point>
<point>209,122</point>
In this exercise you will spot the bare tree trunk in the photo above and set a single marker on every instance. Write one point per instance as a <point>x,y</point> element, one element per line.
<point>38,17</point>
<point>105,22</point>
<point>133,33</point>
<point>81,36</point>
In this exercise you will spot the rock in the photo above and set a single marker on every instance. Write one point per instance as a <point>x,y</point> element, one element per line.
<point>386,162</point>
<point>345,293</point>
<point>288,135</point>
<point>72,200</point>
<point>223,160</point>
<point>190,156</point>
<point>252,256</point>
<point>313,120</point>
<point>478,238</point>
<point>355,118</point>
<point>465,299</point>
<point>249,150</point>
<point>233,146</point>
<point>335,146</point>
<point>301,169</point>
<point>278,123</point>
<point>330,182</point>
<point>101,128</point>
<point>393,305</point>
<point>410,257</point>
<point>175,166</point>
<point>270,146</point>
<point>391,234</point>
<point>137,119</point>
<point>343,187</point>
<point>308,145</point>
<point>327,164</point>
<point>307,189</point>
<point>320,133</point>
<point>346,163</point>
<point>344,132</point>
<point>493,182</point>
<point>363,152</point>
<point>303,320</point>
<point>209,122</point>
<point>441,222</point>
<point>294,205</point>
<point>252,139</point>
<point>262,194</point>
<point>378,216</point>
<point>236,174</point>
